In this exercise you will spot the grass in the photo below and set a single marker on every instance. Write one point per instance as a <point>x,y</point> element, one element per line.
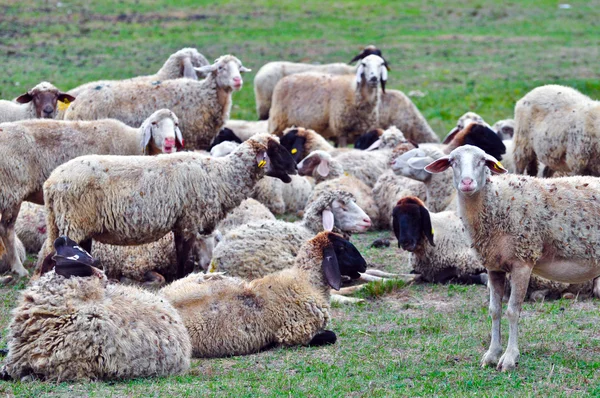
<point>405,340</point>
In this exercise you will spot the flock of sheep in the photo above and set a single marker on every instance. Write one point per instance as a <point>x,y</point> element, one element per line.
<point>153,214</point>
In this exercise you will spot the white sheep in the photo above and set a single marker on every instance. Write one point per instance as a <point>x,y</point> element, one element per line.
<point>522,225</point>
<point>256,249</point>
<point>38,103</point>
<point>505,129</point>
<point>245,129</point>
<point>249,211</point>
<point>202,106</point>
<point>557,126</point>
<point>389,189</point>
<point>139,199</point>
<point>228,316</point>
<point>271,73</point>
<point>31,149</point>
<point>340,107</point>
<point>30,226</point>
<point>70,324</point>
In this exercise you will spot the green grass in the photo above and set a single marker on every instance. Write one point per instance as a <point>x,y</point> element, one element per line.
<point>405,340</point>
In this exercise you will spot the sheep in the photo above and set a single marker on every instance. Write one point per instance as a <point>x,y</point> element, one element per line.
<point>228,316</point>
<point>253,250</point>
<point>396,109</point>
<point>70,324</point>
<point>224,135</point>
<point>388,190</point>
<point>340,107</point>
<point>463,122</point>
<point>505,129</point>
<point>522,225</point>
<point>283,198</point>
<point>31,149</point>
<point>557,126</point>
<point>30,226</point>
<point>203,106</point>
<point>135,200</point>
<point>270,74</point>
<point>250,210</point>
<point>245,129</point>
<point>223,149</point>
<point>38,103</point>
<point>329,175</point>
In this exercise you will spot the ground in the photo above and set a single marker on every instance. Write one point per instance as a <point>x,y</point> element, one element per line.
<point>415,340</point>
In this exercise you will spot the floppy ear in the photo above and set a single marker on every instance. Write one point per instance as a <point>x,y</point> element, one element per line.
<point>328,220</point>
<point>146,135</point>
<point>359,72</point>
<point>187,69</point>
<point>426,224</point>
<point>48,264</point>
<point>374,145</point>
<point>66,98</point>
<point>262,159</point>
<point>206,69</point>
<point>494,165</point>
<point>243,69</point>
<point>396,224</point>
<point>419,163</point>
<point>331,268</point>
<point>323,168</point>
<point>439,165</point>
<point>25,98</point>
<point>179,142</point>
<point>383,77</point>
<point>451,135</point>
<point>74,269</point>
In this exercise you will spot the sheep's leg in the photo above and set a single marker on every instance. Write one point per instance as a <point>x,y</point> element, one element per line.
<point>376,272</point>
<point>9,239</point>
<point>342,142</point>
<point>596,287</point>
<point>339,299</point>
<point>184,249</point>
<point>496,284</point>
<point>519,280</point>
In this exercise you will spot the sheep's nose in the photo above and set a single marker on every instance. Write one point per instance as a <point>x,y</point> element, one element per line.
<point>467,184</point>
<point>373,78</point>
<point>408,245</point>
<point>467,181</point>
<point>237,80</point>
<point>367,221</point>
<point>48,110</point>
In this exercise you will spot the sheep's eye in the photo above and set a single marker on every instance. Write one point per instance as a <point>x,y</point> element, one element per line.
<point>154,123</point>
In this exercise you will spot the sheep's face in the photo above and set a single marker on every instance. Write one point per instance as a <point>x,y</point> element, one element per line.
<point>505,129</point>
<point>205,244</point>
<point>316,164</point>
<point>162,127</point>
<point>412,224</point>
<point>412,164</point>
<point>349,259</point>
<point>294,143</point>
<point>349,217</point>
<point>464,121</point>
<point>227,70</point>
<point>372,71</point>
<point>225,134</point>
<point>366,140</point>
<point>279,162</point>
<point>44,97</point>
<point>470,166</point>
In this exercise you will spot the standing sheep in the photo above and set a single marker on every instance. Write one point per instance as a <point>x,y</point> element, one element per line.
<point>505,129</point>
<point>522,225</point>
<point>268,75</point>
<point>203,106</point>
<point>340,107</point>
<point>31,149</point>
<point>135,200</point>
<point>228,316</point>
<point>558,126</point>
<point>38,103</point>
<point>72,325</point>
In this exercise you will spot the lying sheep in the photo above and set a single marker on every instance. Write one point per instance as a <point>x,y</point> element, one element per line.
<point>557,126</point>
<point>245,129</point>
<point>30,226</point>
<point>396,109</point>
<point>270,74</point>
<point>257,249</point>
<point>202,106</point>
<point>329,175</point>
<point>72,325</point>
<point>249,211</point>
<point>224,135</point>
<point>389,189</point>
<point>522,225</point>
<point>228,316</point>
<point>38,103</point>
<point>136,200</point>
<point>339,107</point>
<point>31,149</point>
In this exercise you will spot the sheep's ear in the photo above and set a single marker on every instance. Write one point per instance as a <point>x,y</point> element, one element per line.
<point>451,135</point>
<point>74,269</point>
<point>146,135</point>
<point>206,69</point>
<point>331,268</point>
<point>66,98</point>
<point>439,165</point>
<point>323,168</point>
<point>426,224</point>
<point>24,98</point>
<point>374,145</point>
<point>359,72</point>
<point>48,264</point>
<point>383,77</point>
<point>179,142</point>
<point>243,69</point>
<point>328,220</point>
<point>418,163</point>
<point>262,159</point>
<point>188,70</point>
<point>494,165</point>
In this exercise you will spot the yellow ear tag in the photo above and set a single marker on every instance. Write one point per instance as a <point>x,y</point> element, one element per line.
<point>262,163</point>
<point>294,150</point>
<point>63,105</point>
<point>432,231</point>
<point>346,173</point>
<point>212,267</point>
<point>498,166</point>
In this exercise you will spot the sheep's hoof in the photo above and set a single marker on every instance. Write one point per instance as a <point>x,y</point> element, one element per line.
<point>379,243</point>
<point>538,295</point>
<point>597,288</point>
<point>490,358</point>
<point>568,296</point>
<point>5,280</point>
<point>508,361</point>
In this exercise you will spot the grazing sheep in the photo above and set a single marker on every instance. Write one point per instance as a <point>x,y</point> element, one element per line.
<point>70,324</point>
<point>38,103</point>
<point>522,225</point>
<point>135,200</point>
<point>30,226</point>
<point>31,149</point>
<point>268,75</point>
<point>505,129</point>
<point>256,249</point>
<point>450,257</point>
<point>245,129</point>
<point>340,107</point>
<point>330,176</point>
<point>228,316</point>
<point>203,106</point>
<point>396,109</point>
<point>559,127</point>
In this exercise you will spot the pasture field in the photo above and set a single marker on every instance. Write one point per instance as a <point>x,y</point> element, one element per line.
<point>404,340</point>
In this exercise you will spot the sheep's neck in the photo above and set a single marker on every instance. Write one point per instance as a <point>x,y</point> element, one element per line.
<point>470,209</point>
<point>310,264</point>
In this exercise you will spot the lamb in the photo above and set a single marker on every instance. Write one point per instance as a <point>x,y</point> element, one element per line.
<point>135,200</point>
<point>270,74</point>
<point>329,175</point>
<point>31,149</point>
<point>228,316</point>
<point>522,225</point>
<point>38,103</point>
<point>505,129</point>
<point>203,106</point>
<point>339,107</point>
<point>559,127</point>
<point>71,324</point>
<point>257,249</point>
